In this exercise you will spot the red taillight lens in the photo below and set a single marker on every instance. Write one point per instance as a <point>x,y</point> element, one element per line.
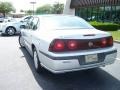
<point>64,45</point>
<point>104,42</point>
<point>110,41</point>
<point>72,45</point>
<point>57,46</point>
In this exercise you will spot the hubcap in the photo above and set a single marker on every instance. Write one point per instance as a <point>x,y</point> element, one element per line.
<point>10,31</point>
<point>35,59</point>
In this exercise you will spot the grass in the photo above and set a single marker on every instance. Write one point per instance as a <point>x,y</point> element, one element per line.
<point>116,35</point>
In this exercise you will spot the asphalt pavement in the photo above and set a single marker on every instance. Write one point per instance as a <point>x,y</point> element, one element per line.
<point>17,72</point>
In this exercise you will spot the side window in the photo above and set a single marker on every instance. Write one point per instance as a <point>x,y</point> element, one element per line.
<point>29,23</point>
<point>34,23</point>
<point>27,18</point>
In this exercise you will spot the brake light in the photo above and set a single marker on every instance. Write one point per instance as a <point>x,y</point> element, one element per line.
<point>57,45</point>
<point>107,42</point>
<point>63,45</point>
<point>104,42</point>
<point>110,41</point>
<point>72,45</point>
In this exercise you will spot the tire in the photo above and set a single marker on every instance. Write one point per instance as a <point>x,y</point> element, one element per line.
<point>21,41</point>
<point>10,31</point>
<point>37,65</point>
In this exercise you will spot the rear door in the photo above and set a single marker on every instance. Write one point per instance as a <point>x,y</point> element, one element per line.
<point>25,32</point>
<point>30,33</point>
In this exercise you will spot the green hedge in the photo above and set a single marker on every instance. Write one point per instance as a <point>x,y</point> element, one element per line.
<point>105,26</point>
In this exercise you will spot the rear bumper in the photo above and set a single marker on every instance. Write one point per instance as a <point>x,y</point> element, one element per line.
<point>78,69</point>
<point>75,63</point>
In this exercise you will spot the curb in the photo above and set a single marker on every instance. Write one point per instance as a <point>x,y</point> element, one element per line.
<point>116,41</point>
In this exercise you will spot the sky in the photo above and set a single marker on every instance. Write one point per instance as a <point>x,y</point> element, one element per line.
<point>25,4</point>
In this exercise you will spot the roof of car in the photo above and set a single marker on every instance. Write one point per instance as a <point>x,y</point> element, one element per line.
<point>52,15</point>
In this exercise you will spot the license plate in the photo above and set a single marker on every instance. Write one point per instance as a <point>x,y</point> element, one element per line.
<point>91,58</point>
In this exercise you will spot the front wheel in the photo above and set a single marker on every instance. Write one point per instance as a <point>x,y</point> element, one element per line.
<point>10,31</point>
<point>37,65</point>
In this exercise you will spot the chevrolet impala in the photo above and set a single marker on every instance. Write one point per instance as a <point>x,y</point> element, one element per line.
<point>64,43</point>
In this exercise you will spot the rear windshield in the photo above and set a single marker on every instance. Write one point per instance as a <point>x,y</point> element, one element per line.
<point>61,22</point>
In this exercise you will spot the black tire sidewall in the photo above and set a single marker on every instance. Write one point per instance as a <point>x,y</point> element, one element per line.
<point>39,68</point>
<point>8,29</point>
<point>20,42</point>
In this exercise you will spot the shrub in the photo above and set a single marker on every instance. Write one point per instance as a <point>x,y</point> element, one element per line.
<point>105,26</point>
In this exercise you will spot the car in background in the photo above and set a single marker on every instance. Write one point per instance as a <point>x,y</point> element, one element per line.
<point>8,19</point>
<point>1,19</point>
<point>62,43</point>
<point>13,26</point>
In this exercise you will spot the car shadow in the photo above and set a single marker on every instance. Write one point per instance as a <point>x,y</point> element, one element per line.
<point>16,35</point>
<point>93,79</point>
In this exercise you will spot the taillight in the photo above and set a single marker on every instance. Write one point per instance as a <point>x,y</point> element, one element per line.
<point>72,45</point>
<point>104,42</point>
<point>110,41</point>
<point>63,45</point>
<point>57,46</point>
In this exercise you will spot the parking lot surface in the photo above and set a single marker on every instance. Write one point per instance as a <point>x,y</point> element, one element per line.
<point>17,72</point>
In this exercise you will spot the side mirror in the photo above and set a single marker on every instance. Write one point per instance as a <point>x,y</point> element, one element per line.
<point>34,27</point>
<point>22,27</point>
<point>21,21</point>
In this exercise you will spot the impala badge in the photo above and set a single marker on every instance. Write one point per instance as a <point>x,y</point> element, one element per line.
<point>90,44</point>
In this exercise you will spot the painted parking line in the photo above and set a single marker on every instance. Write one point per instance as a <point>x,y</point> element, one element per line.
<point>117,59</point>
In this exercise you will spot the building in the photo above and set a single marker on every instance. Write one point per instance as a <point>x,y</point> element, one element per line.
<point>17,14</point>
<point>98,10</point>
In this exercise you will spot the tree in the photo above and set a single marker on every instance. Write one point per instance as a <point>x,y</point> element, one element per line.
<point>6,7</point>
<point>58,8</point>
<point>21,10</point>
<point>29,12</point>
<point>46,9</point>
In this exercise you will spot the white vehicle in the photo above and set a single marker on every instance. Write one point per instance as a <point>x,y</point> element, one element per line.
<point>1,19</point>
<point>13,26</point>
<point>62,43</point>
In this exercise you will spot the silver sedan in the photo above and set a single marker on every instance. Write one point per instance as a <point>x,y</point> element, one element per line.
<point>62,43</point>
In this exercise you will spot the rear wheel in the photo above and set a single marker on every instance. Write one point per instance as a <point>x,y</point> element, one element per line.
<point>21,41</point>
<point>37,65</point>
<point>10,31</point>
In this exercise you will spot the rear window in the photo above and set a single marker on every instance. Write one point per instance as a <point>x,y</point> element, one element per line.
<point>62,22</point>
